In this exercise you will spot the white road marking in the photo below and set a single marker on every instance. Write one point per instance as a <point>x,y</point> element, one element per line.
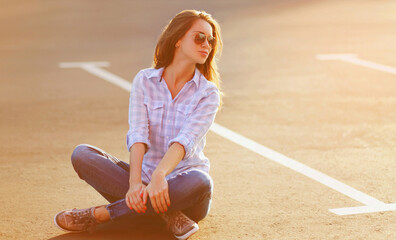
<point>94,68</point>
<point>364,209</point>
<point>352,58</point>
<point>296,166</point>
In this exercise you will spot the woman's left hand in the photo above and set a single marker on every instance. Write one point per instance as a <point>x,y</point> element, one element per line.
<point>158,192</point>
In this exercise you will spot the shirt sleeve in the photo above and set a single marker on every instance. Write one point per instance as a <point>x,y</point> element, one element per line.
<point>137,117</point>
<point>198,123</point>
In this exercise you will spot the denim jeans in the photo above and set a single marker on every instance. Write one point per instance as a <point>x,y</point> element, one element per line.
<point>190,192</point>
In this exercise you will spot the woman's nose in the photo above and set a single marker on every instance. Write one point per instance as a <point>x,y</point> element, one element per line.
<point>206,44</point>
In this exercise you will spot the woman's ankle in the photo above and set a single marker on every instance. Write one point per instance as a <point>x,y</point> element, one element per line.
<point>101,214</point>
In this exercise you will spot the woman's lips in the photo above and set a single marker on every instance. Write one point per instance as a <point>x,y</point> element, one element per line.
<point>203,53</point>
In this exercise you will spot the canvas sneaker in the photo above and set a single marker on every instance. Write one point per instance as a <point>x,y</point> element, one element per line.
<point>76,220</point>
<point>181,226</point>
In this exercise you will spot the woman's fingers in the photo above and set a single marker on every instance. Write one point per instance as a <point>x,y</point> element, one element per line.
<point>127,201</point>
<point>136,204</point>
<point>157,190</point>
<point>145,195</point>
<point>134,198</point>
<point>131,202</point>
<point>143,205</point>
<point>141,194</point>
<point>161,201</point>
<point>154,203</point>
<point>167,198</point>
<point>139,203</point>
<point>164,199</point>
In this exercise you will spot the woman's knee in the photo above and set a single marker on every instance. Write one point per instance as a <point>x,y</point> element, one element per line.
<point>200,211</point>
<point>79,154</point>
<point>204,181</point>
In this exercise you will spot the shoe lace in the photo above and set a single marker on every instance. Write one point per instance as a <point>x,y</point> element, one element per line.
<point>177,219</point>
<point>84,217</point>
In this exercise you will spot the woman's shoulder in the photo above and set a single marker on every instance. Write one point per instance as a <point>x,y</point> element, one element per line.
<point>150,73</point>
<point>208,87</point>
<point>144,75</point>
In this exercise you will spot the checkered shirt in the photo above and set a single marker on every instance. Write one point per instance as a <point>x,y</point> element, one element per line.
<point>158,120</point>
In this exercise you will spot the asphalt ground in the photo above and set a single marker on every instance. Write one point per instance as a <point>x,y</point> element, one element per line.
<point>333,116</point>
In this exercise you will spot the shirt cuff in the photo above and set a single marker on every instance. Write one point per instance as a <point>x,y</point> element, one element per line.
<point>133,138</point>
<point>187,143</point>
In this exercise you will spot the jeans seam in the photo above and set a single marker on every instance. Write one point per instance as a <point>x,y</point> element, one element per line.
<point>111,213</point>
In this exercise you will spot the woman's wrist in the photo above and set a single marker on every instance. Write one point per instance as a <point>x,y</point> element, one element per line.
<point>134,181</point>
<point>159,173</point>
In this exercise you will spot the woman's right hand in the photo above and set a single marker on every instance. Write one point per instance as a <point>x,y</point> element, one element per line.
<point>134,199</point>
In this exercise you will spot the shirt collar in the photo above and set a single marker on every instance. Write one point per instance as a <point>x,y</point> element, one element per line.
<point>157,73</point>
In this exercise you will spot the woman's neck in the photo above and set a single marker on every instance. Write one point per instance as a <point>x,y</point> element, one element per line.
<point>178,73</point>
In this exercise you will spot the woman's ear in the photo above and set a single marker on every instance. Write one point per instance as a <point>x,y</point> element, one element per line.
<point>177,44</point>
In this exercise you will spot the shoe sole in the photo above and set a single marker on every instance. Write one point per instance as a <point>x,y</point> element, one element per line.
<point>188,234</point>
<point>61,228</point>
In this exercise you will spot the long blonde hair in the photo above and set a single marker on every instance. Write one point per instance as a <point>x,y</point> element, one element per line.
<point>175,30</point>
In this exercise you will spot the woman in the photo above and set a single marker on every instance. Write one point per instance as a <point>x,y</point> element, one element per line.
<point>171,108</point>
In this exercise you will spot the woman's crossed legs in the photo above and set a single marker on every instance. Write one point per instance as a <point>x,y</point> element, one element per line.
<point>189,192</point>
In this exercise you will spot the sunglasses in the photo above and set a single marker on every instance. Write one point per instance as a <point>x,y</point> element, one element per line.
<point>200,38</point>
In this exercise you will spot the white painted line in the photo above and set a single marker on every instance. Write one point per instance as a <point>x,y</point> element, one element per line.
<point>364,209</point>
<point>352,58</point>
<point>93,67</point>
<point>294,165</point>
<point>79,64</point>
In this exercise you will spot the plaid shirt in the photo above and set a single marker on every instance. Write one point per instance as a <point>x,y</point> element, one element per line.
<point>158,120</point>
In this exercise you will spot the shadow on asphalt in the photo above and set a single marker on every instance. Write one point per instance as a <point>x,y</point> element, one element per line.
<point>145,228</point>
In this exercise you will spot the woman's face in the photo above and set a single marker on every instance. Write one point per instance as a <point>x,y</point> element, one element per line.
<point>189,49</point>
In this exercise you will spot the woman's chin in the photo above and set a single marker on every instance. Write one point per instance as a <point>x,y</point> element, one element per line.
<point>202,61</point>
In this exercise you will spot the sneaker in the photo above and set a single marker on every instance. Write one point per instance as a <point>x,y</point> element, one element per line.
<point>181,226</point>
<point>76,220</point>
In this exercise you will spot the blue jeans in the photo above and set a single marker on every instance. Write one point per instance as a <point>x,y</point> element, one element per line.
<point>190,192</point>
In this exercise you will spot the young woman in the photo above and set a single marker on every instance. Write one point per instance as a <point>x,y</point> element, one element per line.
<point>171,108</point>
